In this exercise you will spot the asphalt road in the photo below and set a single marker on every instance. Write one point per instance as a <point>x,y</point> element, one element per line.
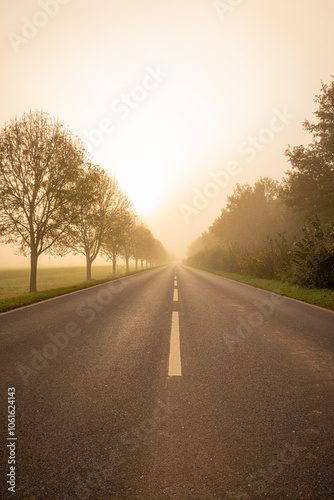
<point>231,400</point>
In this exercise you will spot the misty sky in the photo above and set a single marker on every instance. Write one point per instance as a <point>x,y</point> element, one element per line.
<point>178,99</point>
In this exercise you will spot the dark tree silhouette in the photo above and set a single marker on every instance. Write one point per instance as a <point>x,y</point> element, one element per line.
<point>39,164</point>
<point>309,185</point>
<point>99,200</point>
<point>118,231</point>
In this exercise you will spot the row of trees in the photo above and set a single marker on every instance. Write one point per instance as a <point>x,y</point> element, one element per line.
<point>282,230</point>
<point>54,199</point>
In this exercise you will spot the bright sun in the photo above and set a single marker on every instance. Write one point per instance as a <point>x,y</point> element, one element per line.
<point>142,158</point>
<point>145,183</point>
<point>160,143</point>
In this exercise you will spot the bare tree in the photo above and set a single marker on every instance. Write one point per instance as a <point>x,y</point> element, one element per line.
<point>143,242</point>
<point>159,254</point>
<point>100,200</point>
<point>118,227</point>
<point>39,164</point>
<point>128,240</point>
<point>138,242</point>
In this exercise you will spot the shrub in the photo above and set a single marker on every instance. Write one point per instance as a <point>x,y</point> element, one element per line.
<point>313,256</point>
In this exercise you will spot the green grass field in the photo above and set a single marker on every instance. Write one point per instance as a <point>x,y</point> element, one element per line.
<point>16,281</point>
<point>52,282</point>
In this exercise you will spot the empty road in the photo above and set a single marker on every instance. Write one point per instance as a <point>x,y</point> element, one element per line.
<point>170,384</point>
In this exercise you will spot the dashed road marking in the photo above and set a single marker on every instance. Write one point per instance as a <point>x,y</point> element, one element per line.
<point>174,369</point>
<point>175,296</point>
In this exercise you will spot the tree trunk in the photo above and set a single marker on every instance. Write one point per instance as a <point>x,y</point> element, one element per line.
<point>114,257</point>
<point>142,263</point>
<point>127,263</point>
<point>33,270</point>
<point>88,269</point>
<point>136,264</point>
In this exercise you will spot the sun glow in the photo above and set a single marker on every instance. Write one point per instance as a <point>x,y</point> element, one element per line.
<point>154,150</point>
<point>145,183</point>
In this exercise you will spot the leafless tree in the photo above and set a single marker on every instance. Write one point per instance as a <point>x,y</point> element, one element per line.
<point>100,200</point>
<point>118,231</point>
<point>40,161</point>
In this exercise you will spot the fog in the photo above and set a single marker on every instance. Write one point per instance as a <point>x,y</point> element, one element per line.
<point>10,259</point>
<point>178,100</point>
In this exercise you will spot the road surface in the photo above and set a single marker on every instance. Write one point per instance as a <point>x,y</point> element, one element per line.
<point>169,384</point>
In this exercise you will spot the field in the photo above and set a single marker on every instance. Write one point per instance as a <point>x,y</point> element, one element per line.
<point>16,281</point>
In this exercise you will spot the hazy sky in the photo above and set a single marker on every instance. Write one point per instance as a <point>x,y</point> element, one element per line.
<point>179,99</point>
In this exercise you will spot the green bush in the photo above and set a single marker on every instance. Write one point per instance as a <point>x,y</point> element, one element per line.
<point>313,256</point>
<point>309,262</point>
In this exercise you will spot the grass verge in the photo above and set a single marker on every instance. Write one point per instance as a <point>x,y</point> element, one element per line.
<point>323,297</point>
<point>7,304</point>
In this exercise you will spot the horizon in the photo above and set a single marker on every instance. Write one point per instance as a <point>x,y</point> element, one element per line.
<point>179,122</point>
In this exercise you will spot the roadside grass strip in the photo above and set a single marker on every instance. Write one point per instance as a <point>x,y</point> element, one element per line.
<point>9,303</point>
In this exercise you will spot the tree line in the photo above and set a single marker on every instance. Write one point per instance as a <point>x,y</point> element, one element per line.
<point>54,199</point>
<point>281,230</point>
